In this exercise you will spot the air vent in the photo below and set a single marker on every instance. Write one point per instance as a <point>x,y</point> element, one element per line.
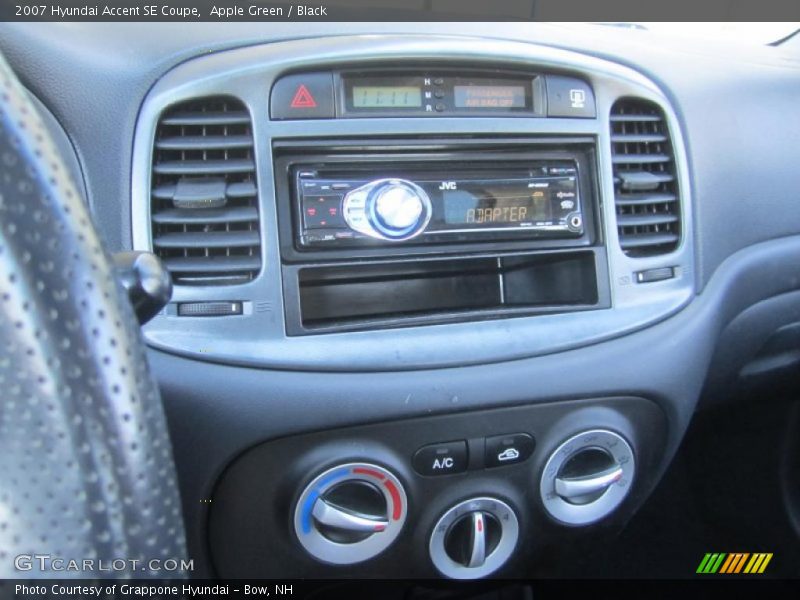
<point>645,186</point>
<point>204,199</point>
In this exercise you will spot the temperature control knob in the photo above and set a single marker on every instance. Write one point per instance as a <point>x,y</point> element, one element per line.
<point>474,538</point>
<point>350,513</point>
<point>388,209</point>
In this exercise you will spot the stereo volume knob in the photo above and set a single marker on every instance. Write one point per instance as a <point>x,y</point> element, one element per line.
<point>350,513</point>
<point>388,209</point>
<point>398,206</point>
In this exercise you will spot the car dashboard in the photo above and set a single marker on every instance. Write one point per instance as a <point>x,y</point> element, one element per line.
<point>446,295</point>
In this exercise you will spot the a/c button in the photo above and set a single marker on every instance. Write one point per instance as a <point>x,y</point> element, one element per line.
<point>441,459</point>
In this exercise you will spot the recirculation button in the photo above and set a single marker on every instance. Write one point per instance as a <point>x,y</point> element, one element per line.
<point>508,449</point>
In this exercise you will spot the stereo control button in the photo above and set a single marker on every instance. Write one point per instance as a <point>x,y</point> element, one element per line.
<point>441,459</point>
<point>388,209</point>
<point>508,449</point>
<point>323,212</point>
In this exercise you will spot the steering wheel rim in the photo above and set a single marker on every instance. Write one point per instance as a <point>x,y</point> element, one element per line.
<point>86,465</point>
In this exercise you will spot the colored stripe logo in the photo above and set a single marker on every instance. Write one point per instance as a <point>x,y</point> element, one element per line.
<point>734,563</point>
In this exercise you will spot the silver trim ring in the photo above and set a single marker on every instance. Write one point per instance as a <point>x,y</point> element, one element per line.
<point>486,564</point>
<point>616,480</point>
<point>311,507</point>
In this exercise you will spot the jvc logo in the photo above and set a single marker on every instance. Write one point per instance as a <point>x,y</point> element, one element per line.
<point>448,185</point>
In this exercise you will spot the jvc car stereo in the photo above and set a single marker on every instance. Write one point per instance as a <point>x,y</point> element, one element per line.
<point>389,203</point>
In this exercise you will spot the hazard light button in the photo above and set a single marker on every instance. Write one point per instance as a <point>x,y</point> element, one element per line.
<point>303,96</point>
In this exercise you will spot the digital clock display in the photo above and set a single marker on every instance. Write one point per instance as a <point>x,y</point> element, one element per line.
<point>387,96</point>
<point>489,96</point>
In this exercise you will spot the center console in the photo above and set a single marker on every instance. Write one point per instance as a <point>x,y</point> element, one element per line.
<point>437,231</point>
<point>311,209</point>
<point>391,232</point>
<point>400,252</point>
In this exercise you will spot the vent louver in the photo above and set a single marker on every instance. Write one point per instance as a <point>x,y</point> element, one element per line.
<point>204,198</point>
<point>645,186</point>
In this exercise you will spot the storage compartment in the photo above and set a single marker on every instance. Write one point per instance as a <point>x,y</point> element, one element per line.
<point>403,293</point>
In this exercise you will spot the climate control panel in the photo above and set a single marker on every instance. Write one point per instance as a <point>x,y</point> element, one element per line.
<point>393,500</point>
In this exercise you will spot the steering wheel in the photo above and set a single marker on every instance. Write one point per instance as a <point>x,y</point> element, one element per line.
<point>86,466</point>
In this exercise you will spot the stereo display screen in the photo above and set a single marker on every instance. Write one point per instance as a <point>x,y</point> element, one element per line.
<point>493,203</point>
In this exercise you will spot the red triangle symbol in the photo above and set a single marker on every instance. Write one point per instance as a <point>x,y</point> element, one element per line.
<point>303,98</point>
